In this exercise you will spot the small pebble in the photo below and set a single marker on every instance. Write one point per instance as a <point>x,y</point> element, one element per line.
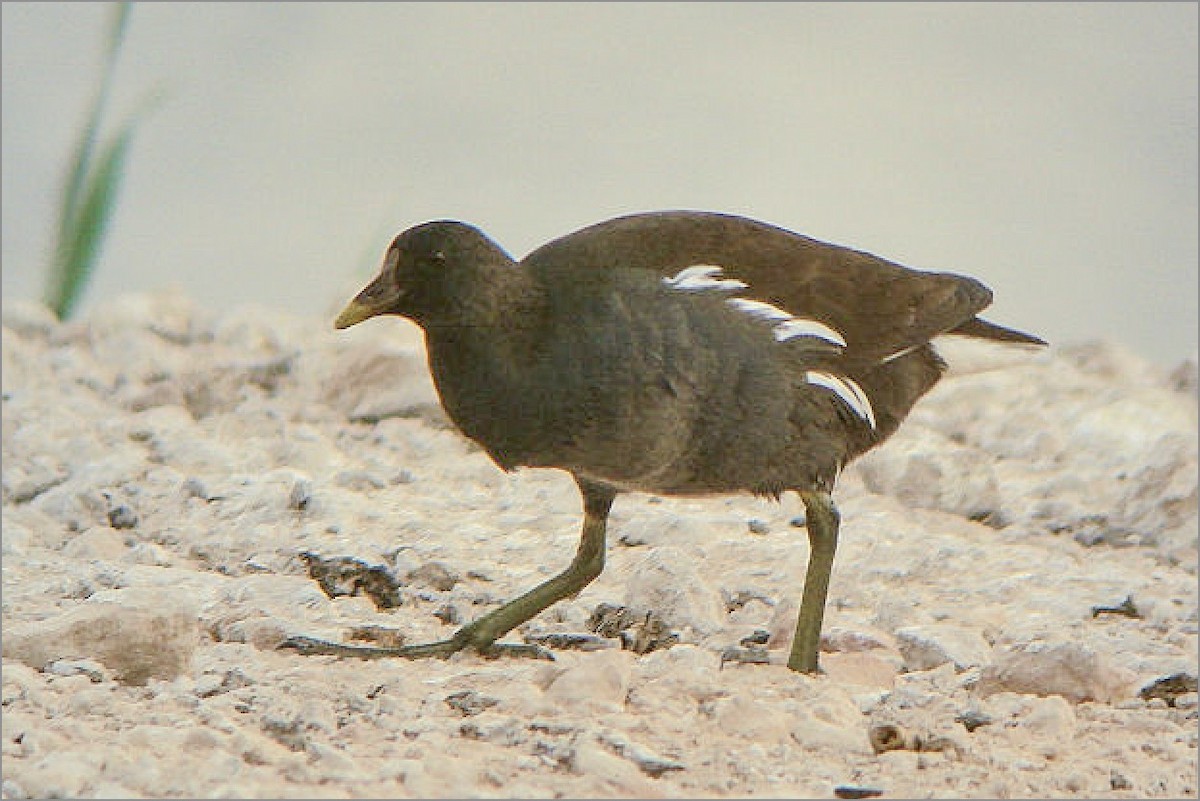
<point>121,516</point>
<point>195,488</point>
<point>757,637</point>
<point>757,526</point>
<point>569,641</point>
<point>1168,688</point>
<point>300,495</point>
<point>469,702</point>
<point>434,575</point>
<point>10,789</point>
<point>973,719</point>
<point>746,656</point>
<point>381,636</point>
<point>77,667</point>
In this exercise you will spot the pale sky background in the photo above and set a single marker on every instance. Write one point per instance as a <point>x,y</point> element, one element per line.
<point>1048,149</point>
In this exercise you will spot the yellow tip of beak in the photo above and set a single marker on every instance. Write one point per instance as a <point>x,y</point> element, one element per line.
<point>354,313</point>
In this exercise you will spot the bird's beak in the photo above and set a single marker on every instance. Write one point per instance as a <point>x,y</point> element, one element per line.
<point>355,312</point>
<point>377,297</point>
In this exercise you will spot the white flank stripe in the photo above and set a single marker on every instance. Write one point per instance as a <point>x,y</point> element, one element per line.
<point>849,391</point>
<point>705,277</point>
<point>702,277</point>
<point>799,327</point>
<point>898,354</point>
<point>763,311</point>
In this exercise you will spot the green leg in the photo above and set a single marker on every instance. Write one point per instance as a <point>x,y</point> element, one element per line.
<point>823,521</point>
<point>481,634</point>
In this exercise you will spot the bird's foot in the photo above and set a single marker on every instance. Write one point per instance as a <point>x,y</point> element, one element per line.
<point>442,649</point>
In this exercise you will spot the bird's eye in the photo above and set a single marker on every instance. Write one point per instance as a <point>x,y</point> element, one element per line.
<point>439,255</point>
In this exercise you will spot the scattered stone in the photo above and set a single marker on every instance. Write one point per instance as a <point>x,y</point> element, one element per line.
<point>286,730</point>
<point>894,737</point>
<point>195,488</point>
<point>433,575</point>
<point>358,480</point>
<point>99,543</point>
<point>1169,688</point>
<point>469,702</point>
<point>29,318</point>
<point>570,641</point>
<point>1125,608</point>
<point>1052,717</point>
<point>213,504</point>
<point>609,620</point>
<point>973,719</point>
<point>348,576</point>
<point>647,761</point>
<point>382,636</point>
<point>757,637</point>
<point>78,667</point>
<point>640,632</point>
<point>742,716</point>
<point>600,678</point>
<point>668,581</point>
<point>864,668</point>
<point>928,470</point>
<point>23,483</point>
<point>10,789</point>
<point>758,526</point>
<point>371,384</point>
<point>300,494</point>
<point>448,614</point>
<point>853,640</point>
<point>737,599</point>
<point>1183,378</point>
<point>650,633</point>
<point>137,634</point>
<point>746,656</point>
<point>1072,670</point>
<point>212,684</point>
<point>122,516</point>
<point>927,647</point>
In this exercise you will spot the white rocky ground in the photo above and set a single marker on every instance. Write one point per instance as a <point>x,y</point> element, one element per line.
<point>164,470</point>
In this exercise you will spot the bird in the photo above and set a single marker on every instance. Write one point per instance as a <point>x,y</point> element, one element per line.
<point>677,353</point>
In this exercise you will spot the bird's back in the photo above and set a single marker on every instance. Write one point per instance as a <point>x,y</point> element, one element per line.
<point>626,374</point>
<point>887,314</point>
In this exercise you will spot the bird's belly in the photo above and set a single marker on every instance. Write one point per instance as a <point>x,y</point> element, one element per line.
<point>637,404</point>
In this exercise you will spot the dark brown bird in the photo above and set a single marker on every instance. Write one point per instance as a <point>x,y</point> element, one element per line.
<point>676,353</point>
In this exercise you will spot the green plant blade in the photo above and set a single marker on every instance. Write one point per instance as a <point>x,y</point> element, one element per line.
<point>87,137</point>
<point>78,255</point>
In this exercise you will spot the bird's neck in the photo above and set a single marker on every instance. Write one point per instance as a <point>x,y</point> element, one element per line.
<point>480,368</point>
<point>476,354</point>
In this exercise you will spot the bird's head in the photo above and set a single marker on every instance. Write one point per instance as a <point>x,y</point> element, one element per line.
<point>430,274</point>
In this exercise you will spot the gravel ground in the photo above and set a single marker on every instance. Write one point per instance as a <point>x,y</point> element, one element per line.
<point>1013,611</point>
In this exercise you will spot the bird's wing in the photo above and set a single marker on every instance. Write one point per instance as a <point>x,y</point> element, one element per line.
<point>881,309</point>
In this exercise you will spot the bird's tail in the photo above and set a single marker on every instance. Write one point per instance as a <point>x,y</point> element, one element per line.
<point>979,328</point>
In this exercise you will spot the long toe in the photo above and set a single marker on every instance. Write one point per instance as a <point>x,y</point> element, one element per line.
<point>523,651</point>
<point>312,646</point>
